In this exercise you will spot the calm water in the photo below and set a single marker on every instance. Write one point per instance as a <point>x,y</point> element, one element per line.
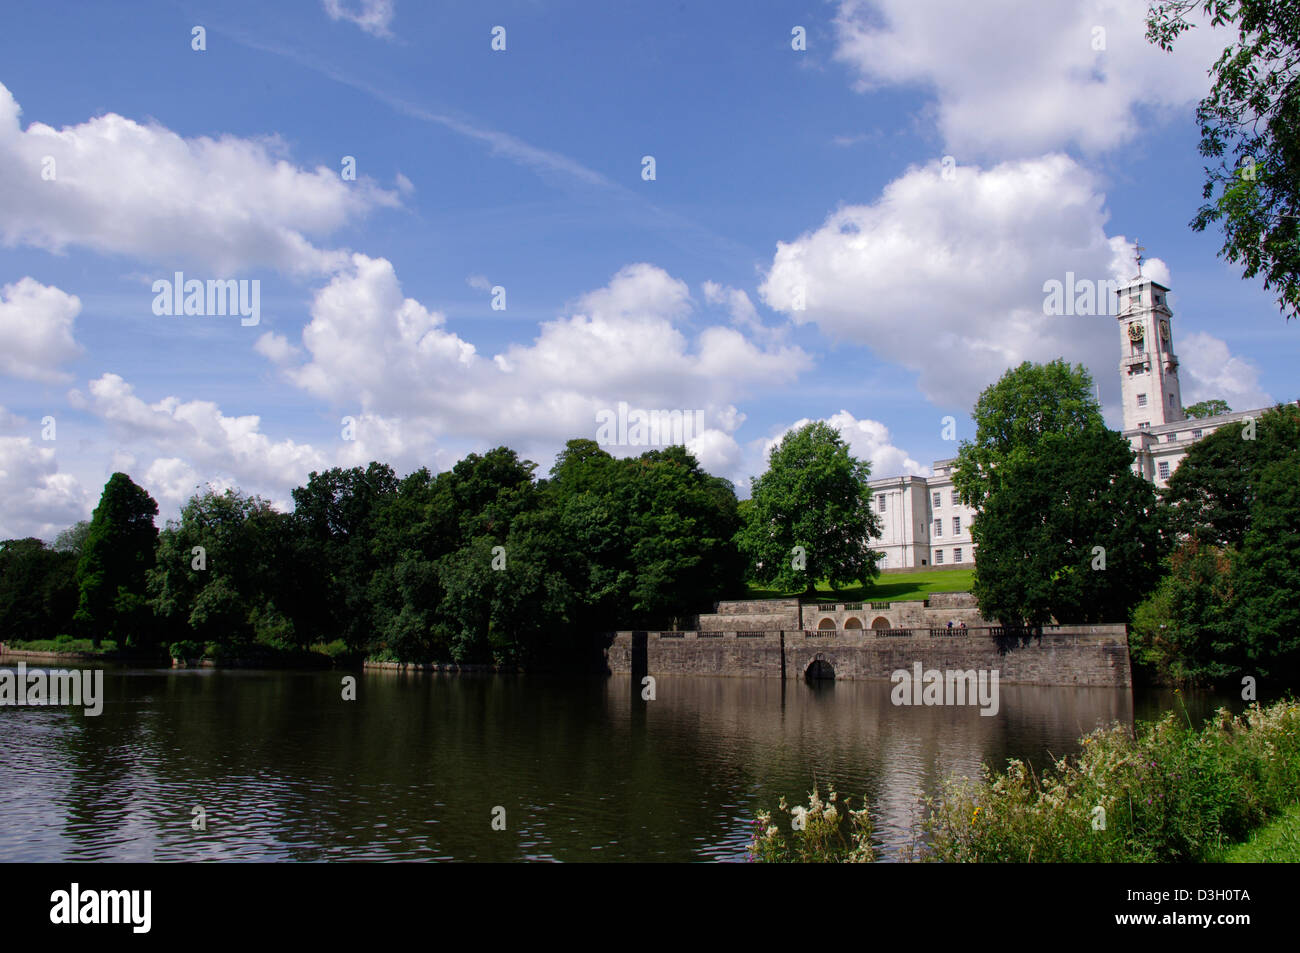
<point>585,769</point>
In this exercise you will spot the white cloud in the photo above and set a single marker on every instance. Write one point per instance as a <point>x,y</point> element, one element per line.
<point>275,348</point>
<point>1209,371</point>
<point>36,330</point>
<point>197,432</point>
<point>945,277</point>
<point>120,187</point>
<point>867,439</point>
<point>1018,77</point>
<point>374,16</point>
<point>35,498</point>
<point>370,347</point>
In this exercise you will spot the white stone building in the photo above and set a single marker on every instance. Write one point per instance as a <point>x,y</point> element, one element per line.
<point>923,522</point>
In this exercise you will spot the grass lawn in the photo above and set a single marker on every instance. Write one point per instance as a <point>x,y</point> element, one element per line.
<point>1276,843</point>
<point>895,587</point>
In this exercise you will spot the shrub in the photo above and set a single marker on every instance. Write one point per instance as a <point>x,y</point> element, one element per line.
<point>1172,794</point>
<point>185,649</point>
<point>816,834</point>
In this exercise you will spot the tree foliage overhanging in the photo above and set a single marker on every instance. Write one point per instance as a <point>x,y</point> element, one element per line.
<point>1249,124</point>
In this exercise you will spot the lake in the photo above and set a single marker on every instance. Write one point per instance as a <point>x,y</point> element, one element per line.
<point>284,769</point>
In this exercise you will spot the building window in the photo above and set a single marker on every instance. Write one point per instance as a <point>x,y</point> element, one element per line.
<point>938,527</point>
<point>1196,435</point>
<point>1142,400</point>
<point>1144,425</point>
<point>1163,469</point>
<point>954,497</point>
<point>1170,437</point>
<point>956,526</point>
<point>956,555</point>
<point>880,503</point>
<point>884,560</point>
<point>938,557</point>
<point>935,497</point>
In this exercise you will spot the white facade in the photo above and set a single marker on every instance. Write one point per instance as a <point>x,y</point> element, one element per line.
<point>922,522</point>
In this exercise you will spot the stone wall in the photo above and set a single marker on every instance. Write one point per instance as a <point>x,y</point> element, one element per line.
<point>1062,655</point>
<point>934,613</point>
<point>751,616</point>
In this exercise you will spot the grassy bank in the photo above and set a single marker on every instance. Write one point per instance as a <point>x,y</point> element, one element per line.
<point>1173,793</point>
<point>1274,843</point>
<point>901,587</point>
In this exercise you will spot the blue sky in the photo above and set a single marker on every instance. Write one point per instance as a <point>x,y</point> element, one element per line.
<point>818,170</point>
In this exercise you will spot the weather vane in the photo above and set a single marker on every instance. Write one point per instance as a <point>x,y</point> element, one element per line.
<point>1137,255</point>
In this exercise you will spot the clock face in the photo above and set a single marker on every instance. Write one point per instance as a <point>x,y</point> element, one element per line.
<point>1135,332</point>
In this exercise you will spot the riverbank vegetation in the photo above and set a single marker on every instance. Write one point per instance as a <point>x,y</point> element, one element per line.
<point>1172,793</point>
<point>826,831</point>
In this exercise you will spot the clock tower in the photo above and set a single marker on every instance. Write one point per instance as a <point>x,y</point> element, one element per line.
<point>1148,368</point>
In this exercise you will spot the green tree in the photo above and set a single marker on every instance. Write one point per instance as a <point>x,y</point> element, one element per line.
<point>221,571</point>
<point>38,590</point>
<point>335,522</point>
<point>682,527</point>
<point>1207,408</point>
<point>814,495</point>
<point>1211,494</point>
<point>1248,125</point>
<point>1070,533</point>
<point>73,539</point>
<point>118,551</point>
<point>1183,631</point>
<point>1011,417</point>
<point>1051,484</point>
<point>1268,609</point>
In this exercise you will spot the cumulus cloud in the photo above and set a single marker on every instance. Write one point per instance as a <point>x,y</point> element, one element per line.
<point>867,439</point>
<point>35,498</point>
<point>945,275</point>
<point>371,347</point>
<point>1018,77</point>
<point>120,187</point>
<point>373,16</point>
<point>1209,370</point>
<point>197,432</point>
<point>275,348</point>
<point>36,330</point>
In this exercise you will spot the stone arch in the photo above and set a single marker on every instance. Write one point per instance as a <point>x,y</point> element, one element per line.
<point>819,669</point>
<point>880,622</point>
<point>852,622</point>
<point>826,623</point>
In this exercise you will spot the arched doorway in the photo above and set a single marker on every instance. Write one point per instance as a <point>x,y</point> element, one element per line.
<point>880,622</point>
<point>853,622</point>
<point>825,624</point>
<point>820,670</point>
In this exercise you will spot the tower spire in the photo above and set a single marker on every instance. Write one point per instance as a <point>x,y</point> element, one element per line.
<point>1137,255</point>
